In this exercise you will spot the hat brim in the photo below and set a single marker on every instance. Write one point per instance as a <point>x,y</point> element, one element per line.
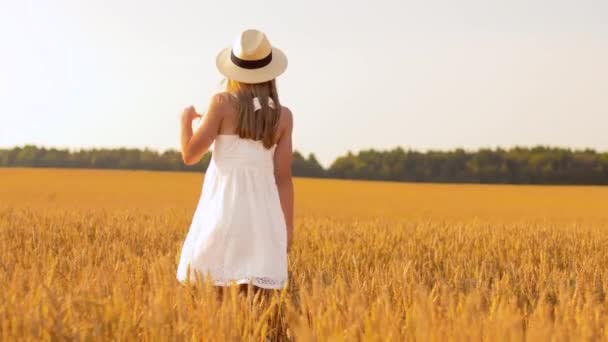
<point>271,71</point>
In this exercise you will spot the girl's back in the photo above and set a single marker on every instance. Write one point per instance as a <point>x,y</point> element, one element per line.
<point>242,226</point>
<point>238,231</point>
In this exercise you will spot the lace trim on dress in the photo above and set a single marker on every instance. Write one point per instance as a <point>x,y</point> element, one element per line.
<point>265,282</point>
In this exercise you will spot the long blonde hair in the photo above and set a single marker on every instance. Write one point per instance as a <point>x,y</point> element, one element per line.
<point>252,124</point>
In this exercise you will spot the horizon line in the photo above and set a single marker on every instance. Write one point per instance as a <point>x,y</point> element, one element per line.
<point>353,151</point>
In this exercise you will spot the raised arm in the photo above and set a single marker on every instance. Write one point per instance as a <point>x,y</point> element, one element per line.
<point>195,145</point>
<point>282,172</point>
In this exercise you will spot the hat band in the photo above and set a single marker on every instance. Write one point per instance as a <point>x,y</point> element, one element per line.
<point>255,64</point>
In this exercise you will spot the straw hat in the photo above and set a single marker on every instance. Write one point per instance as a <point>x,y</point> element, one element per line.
<point>251,59</point>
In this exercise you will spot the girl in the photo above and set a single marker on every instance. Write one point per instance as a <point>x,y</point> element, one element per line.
<point>242,227</point>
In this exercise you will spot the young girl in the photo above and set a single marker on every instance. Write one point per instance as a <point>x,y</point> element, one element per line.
<point>243,224</point>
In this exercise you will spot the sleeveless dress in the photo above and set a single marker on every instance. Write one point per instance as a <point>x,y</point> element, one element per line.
<point>238,231</point>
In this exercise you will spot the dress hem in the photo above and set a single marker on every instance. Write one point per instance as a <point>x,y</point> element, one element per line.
<point>281,284</point>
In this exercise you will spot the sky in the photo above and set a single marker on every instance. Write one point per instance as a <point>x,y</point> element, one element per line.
<point>362,74</point>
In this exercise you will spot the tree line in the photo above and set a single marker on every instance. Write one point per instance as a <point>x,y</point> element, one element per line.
<point>517,165</point>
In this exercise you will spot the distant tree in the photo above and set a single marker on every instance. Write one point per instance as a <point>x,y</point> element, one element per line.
<point>517,165</point>
<point>306,167</point>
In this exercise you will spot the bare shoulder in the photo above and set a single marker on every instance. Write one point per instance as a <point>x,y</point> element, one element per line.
<point>285,124</point>
<point>286,118</point>
<point>220,100</point>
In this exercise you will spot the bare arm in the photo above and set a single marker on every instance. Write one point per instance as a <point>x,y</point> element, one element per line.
<point>195,145</point>
<point>282,172</point>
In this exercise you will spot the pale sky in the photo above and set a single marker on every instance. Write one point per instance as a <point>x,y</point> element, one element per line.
<point>361,74</point>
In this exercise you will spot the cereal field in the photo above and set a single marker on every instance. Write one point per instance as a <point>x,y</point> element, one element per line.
<point>92,255</point>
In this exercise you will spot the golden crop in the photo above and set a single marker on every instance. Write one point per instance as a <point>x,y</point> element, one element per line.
<point>91,254</point>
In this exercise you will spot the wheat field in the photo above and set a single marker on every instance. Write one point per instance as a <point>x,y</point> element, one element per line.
<point>92,255</point>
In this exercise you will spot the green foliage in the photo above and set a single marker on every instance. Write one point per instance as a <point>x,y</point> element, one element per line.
<point>518,165</point>
<point>306,167</point>
<point>120,158</point>
<point>124,158</point>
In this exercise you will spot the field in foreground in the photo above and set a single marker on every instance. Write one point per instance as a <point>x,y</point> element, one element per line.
<point>90,254</point>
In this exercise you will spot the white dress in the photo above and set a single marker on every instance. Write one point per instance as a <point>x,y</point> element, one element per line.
<point>238,230</point>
